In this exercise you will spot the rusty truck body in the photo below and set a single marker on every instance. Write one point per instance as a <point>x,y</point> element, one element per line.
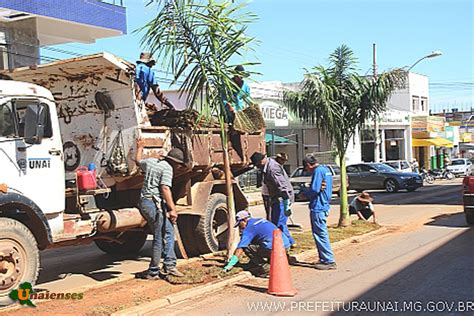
<point>66,114</point>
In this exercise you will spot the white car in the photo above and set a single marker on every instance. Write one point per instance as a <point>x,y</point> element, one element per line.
<point>399,165</point>
<point>460,167</point>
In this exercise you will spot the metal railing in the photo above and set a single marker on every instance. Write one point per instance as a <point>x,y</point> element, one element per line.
<point>118,3</point>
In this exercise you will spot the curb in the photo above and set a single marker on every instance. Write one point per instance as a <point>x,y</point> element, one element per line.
<point>182,296</point>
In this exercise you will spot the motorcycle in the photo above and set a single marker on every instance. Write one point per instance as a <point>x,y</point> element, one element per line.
<point>426,176</point>
<point>438,174</point>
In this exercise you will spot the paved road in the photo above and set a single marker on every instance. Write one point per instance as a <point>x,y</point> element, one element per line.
<point>417,267</point>
<point>72,267</point>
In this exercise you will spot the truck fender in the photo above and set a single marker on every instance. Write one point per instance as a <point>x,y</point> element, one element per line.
<point>24,210</point>
<point>202,191</point>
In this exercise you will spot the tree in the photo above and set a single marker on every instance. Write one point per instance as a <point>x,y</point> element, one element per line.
<point>339,101</point>
<point>198,40</point>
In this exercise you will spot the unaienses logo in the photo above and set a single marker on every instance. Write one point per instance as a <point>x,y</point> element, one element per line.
<point>25,294</point>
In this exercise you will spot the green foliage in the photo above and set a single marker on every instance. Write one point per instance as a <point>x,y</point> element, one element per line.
<point>196,40</point>
<point>340,101</point>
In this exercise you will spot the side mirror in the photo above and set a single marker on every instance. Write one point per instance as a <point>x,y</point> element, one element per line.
<point>34,119</point>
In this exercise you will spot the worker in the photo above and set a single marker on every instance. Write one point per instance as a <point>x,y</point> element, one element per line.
<point>256,242</point>
<point>362,206</point>
<point>146,80</point>
<point>158,208</point>
<point>281,158</point>
<point>279,189</point>
<point>240,98</point>
<point>319,194</point>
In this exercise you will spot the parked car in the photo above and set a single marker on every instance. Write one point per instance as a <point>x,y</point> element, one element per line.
<point>399,165</point>
<point>468,199</point>
<point>368,176</point>
<point>460,167</point>
<point>300,179</point>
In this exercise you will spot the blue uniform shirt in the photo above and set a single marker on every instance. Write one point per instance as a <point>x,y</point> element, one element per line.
<point>240,97</point>
<point>260,231</point>
<point>145,78</point>
<point>319,200</point>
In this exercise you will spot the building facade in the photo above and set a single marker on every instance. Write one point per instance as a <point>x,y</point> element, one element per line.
<point>26,26</point>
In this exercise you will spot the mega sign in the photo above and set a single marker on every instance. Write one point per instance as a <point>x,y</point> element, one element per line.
<point>275,113</point>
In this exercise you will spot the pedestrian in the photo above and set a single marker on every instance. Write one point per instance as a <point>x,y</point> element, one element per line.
<point>240,98</point>
<point>446,160</point>
<point>158,208</point>
<point>280,191</point>
<point>256,242</point>
<point>146,80</point>
<point>363,207</point>
<point>319,194</point>
<point>281,158</point>
<point>415,166</point>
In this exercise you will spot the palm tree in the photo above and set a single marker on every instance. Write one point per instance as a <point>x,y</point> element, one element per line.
<point>198,41</point>
<point>339,101</point>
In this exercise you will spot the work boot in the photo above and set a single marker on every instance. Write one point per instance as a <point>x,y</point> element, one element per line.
<point>147,275</point>
<point>325,266</point>
<point>172,271</point>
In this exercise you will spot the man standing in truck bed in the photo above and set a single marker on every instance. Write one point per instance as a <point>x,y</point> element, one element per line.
<point>156,205</point>
<point>146,80</point>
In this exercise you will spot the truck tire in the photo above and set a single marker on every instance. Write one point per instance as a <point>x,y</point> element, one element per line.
<point>469,217</point>
<point>19,257</point>
<point>212,229</point>
<point>130,242</point>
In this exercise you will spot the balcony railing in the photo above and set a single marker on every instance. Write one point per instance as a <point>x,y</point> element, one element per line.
<point>114,2</point>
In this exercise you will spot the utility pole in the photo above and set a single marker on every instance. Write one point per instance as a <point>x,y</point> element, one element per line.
<point>376,123</point>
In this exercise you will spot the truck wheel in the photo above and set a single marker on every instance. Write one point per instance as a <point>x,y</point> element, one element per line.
<point>19,257</point>
<point>129,242</point>
<point>212,230</point>
<point>469,217</point>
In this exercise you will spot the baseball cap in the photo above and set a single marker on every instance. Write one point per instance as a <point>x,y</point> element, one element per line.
<point>240,216</point>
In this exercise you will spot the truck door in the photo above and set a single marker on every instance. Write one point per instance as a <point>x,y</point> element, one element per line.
<point>34,170</point>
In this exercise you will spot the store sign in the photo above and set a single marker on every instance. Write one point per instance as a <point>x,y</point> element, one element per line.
<point>392,117</point>
<point>427,124</point>
<point>274,113</point>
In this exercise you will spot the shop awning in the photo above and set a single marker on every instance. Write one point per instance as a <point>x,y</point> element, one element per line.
<point>279,140</point>
<point>438,142</point>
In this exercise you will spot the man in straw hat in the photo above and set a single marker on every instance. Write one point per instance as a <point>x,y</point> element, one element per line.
<point>157,207</point>
<point>362,206</point>
<point>256,242</point>
<point>146,80</point>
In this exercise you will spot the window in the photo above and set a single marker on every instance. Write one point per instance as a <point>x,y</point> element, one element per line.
<point>352,169</point>
<point>405,165</point>
<point>415,103</point>
<point>458,162</point>
<point>337,170</point>
<point>7,123</point>
<point>394,134</point>
<point>424,104</point>
<point>12,118</point>
<point>366,168</point>
<point>3,51</point>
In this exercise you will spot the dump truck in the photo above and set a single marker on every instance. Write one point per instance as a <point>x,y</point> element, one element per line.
<point>57,118</point>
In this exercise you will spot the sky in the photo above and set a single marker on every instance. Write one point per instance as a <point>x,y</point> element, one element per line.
<point>299,34</point>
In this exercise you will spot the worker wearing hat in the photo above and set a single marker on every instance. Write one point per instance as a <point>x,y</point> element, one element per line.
<point>362,206</point>
<point>319,194</point>
<point>241,95</point>
<point>256,242</point>
<point>146,80</point>
<point>157,207</point>
<point>279,190</point>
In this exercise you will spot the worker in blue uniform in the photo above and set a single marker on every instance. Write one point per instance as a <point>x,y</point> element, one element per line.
<point>256,242</point>
<point>319,194</point>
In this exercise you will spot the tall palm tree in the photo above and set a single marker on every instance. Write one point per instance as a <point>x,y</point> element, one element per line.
<point>339,101</point>
<point>197,41</point>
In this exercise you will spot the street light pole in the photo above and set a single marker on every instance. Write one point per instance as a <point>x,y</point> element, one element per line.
<point>376,123</point>
<point>433,54</point>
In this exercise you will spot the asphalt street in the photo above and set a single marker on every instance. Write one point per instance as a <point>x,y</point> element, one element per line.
<point>421,266</point>
<point>85,266</point>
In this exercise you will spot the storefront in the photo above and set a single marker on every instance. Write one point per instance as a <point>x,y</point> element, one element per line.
<point>395,137</point>
<point>430,146</point>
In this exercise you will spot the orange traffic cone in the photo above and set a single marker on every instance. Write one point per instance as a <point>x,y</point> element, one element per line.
<point>280,278</point>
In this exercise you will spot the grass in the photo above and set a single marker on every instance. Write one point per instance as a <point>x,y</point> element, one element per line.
<point>194,274</point>
<point>305,241</point>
